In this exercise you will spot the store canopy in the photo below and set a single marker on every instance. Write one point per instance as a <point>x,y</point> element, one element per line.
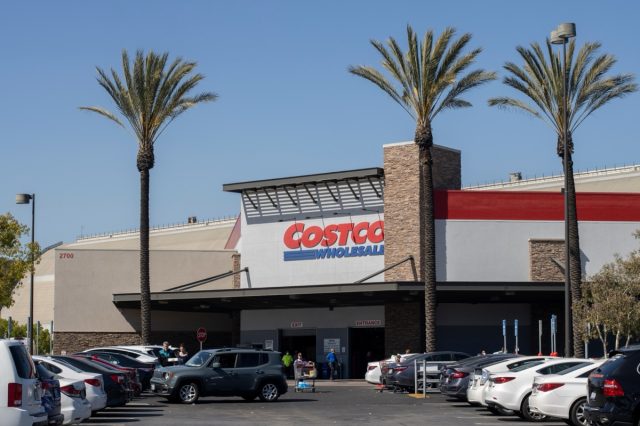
<point>341,295</point>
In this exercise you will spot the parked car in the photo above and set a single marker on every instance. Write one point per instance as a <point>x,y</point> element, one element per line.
<point>247,373</point>
<point>131,351</point>
<point>144,370</point>
<point>511,389</point>
<point>614,390</point>
<point>476,393</point>
<point>374,372</point>
<point>20,390</point>
<point>562,395</point>
<point>75,406</point>
<point>133,380</point>
<point>114,381</point>
<point>50,395</point>
<point>454,378</point>
<point>402,375</point>
<point>94,382</point>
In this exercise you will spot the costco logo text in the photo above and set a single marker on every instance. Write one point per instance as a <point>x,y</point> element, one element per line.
<point>329,242</point>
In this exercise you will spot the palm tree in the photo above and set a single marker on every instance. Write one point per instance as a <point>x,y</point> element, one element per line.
<point>151,96</point>
<point>541,79</point>
<point>430,81</point>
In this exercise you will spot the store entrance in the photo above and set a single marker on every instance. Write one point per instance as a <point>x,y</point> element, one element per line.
<point>295,344</point>
<point>363,341</point>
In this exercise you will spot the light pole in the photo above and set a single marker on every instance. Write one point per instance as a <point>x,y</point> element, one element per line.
<point>560,36</point>
<point>25,199</point>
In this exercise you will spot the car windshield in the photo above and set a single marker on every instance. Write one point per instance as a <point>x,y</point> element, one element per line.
<point>527,366</point>
<point>66,365</point>
<point>199,359</point>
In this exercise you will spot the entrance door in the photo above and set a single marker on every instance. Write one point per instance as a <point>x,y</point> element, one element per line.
<point>366,345</point>
<point>295,344</point>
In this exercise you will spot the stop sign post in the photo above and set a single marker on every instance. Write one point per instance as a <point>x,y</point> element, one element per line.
<point>201,335</point>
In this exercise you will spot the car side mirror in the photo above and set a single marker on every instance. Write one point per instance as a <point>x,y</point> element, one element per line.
<point>215,365</point>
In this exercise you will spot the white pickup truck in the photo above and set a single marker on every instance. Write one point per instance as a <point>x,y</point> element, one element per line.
<point>20,390</point>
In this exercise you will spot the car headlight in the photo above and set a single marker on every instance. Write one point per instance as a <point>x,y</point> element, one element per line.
<point>167,376</point>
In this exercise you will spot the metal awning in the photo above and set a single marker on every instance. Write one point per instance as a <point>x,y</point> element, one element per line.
<point>341,295</point>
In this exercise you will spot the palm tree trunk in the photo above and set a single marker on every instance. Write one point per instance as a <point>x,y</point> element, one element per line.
<point>424,140</point>
<point>575,275</point>
<point>145,162</point>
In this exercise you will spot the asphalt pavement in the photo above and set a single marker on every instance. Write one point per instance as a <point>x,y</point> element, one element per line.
<point>332,403</point>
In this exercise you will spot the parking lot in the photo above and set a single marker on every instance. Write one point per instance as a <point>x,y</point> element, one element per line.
<point>340,403</point>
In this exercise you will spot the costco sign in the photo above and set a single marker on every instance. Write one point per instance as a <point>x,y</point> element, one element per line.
<point>334,240</point>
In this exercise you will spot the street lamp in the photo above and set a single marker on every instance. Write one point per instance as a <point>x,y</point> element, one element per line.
<point>560,36</point>
<point>25,199</point>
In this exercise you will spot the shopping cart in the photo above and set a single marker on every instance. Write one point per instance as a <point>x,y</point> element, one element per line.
<point>305,374</point>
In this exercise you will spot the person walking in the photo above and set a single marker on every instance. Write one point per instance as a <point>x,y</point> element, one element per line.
<point>332,360</point>
<point>287,361</point>
<point>164,354</point>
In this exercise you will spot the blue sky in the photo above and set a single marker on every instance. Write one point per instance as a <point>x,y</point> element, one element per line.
<point>287,104</point>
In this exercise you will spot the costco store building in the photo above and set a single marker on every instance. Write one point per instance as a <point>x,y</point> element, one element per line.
<point>329,261</point>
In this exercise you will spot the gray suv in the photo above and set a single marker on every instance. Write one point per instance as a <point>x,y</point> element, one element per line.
<point>247,373</point>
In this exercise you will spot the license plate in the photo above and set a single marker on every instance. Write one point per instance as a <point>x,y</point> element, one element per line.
<point>153,387</point>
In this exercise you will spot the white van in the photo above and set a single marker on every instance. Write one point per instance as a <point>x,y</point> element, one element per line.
<point>20,390</point>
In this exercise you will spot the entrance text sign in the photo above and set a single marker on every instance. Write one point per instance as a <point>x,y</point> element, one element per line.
<point>331,344</point>
<point>368,323</point>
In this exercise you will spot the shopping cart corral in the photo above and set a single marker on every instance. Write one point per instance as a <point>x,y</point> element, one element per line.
<point>429,382</point>
<point>305,374</point>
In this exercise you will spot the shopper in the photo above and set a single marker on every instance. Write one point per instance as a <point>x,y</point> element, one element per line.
<point>164,354</point>
<point>332,361</point>
<point>182,354</point>
<point>287,361</point>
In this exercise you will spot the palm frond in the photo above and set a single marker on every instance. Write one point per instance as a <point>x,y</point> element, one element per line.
<point>379,80</point>
<point>105,113</point>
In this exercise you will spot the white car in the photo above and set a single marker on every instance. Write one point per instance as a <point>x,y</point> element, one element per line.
<point>511,389</point>
<point>20,390</point>
<point>374,369</point>
<point>135,352</point>
<point>74,405</point>
<point>94,385</point>
<point>478,383</point>
<point>562,395</point>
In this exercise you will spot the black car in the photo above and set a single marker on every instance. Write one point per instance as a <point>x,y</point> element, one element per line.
<point>51,400</point>
<point>247,373</point>
<point>114,381</point>
<point>454,379</point>
<point>401,376</point>
<point>613,390</point>
<point>145,370</point>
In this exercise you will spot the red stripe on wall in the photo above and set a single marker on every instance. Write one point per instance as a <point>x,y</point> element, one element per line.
<point>507,205</point>
<point>234,237</point>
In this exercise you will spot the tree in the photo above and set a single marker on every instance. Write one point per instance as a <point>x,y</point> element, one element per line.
<point>151,96</point>
<point>541,79</point>
<point>15,258</point>
<point>429,80</point>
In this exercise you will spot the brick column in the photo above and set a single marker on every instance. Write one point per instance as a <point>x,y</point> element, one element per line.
<point>235,260</point>
<point>402,328</point>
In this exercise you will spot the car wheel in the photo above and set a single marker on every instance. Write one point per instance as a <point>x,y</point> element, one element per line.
<point>576,413</point>
<point>529,415</point>
<point>188,393</point>
<point>268,392</point>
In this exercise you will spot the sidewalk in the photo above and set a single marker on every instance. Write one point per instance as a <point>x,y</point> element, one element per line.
<point>336,383</point>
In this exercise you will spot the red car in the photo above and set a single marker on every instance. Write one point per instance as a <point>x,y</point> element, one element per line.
<point>131,373</point>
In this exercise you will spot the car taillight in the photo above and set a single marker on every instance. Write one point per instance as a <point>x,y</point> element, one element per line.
<point>612,388</point>
<point>371,367</point>
<point>117,378</point>
<point>458,375</point>
<point>92,382</point>
<point>500,380</point>
<point>14,395</point>
<point>546,387</point>
<point>399,369</point>
<point>71,391</point>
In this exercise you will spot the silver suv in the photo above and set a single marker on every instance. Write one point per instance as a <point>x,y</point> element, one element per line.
<point>246,373</point>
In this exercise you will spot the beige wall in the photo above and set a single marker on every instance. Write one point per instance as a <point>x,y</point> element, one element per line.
<point>87,279</point>
<point>42,294</point>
